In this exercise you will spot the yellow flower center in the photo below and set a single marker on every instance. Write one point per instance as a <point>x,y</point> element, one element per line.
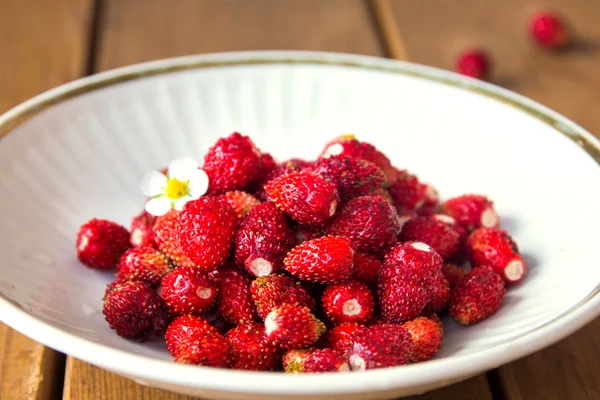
<point>176,189</point>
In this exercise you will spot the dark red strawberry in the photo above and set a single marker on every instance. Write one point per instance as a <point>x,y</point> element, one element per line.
<point>441,294</point>
<point>101,243</point>
<point>315,361</point>
<point>263,240</point>
<point>134,311</point>
<point>142,234</point>
<point>442,237</point>
<point>408,193</point>
<point>366,267</point>
<point>291,326</point>
<point>234,302</point>
<point>348,301</point>
<point>341,337</point>
<point>144,264</point>
<point>381,346</point>
<point>192,340</point>
<point>369,222</point>
<point>471,211</point>
<point>427,338</point>
<point>274,290</point>
<point>305,197</point>
<point>326,259</point>
<point>165,235</point>
<point>188,291</point>
<point>304,233</point>
<point>231,164</point>
<point>206,231</point>
<point>250,348</point>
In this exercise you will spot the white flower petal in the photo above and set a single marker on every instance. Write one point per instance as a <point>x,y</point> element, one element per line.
<point>198,183</point>
<point>158,206</point>
<point>153,183</point>
<point>180,168</point>
<point>180,202</point>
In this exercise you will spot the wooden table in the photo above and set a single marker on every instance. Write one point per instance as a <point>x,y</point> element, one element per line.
<point>44,43</point>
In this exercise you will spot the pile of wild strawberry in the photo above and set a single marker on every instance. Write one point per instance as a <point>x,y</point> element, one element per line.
<point>342,263</point>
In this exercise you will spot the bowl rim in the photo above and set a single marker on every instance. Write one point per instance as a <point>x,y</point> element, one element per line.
<point>433,372</point>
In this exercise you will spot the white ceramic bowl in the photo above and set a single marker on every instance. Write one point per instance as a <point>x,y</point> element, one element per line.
<point>79,151</point>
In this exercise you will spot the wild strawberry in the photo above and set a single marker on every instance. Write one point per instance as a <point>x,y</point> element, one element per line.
<point>188,291</point>
<point>428,313</point>
<point>409,194</point>
<point>369,222</point>
<point>231,164</point>
<point>495,248</point>
<point>431,203</point>
<point>101,243</point>
<point>143,264</point>
<point>326,259</point>
<point>549,29</point>
<point>405,284</point>
<point>442,237</point>
<point>250,348</point>
<point>366,267</point>
<point>134,311</point>
<point>221,324</point>
<point>304,196</point>
<point>263,240</point>
<point>453,273</point>
<point>234,301</point>
<point>266,166</point>
<point>380,346</point>
<point>241,202</point>
<point>474,63</point>
<point>142,234</point>
<point>441,294</point>
<point>383,193</point>
<point>347,145</point>
<point>477,296</point>
<point>291,326</point>
<point>304,233</point>
<point>341,337</point>
<point>192,340</point>
<point>352,177</point>
<point>315,360</point>
<point>110,287</point>
<point>206,230</point>
<point>274,290</point>
<point>427,338</point>
<point>293,359</point>
<point>471,211</point>
<point>348,301</point>
<point>165,235</point>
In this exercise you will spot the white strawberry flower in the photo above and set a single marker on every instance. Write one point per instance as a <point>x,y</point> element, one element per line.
<point>184,182</point>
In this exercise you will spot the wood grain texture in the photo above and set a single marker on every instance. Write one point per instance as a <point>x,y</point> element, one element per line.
<point>42,45</point>
<point>139,30</point>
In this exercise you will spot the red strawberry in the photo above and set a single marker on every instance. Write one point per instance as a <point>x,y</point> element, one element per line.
<point>141,230</point>
<point>453,273</point>
<point>274,290</point>
<point>304,233</point>
<point>251,349</point>
<point>266,166</point>
<point>292,326</point>
<point>413,261</point>
<point>304,196</point>
<point>326,259</point>
<point>366,267</point>
<point>441,294</point>
<point>427,338</point>
<point>471,211</point>
<point>431,203</point>
<point>314,361</point>
<point>231,163</point>
<point>192,340</point>
<point>495,248</point>
<point>380,346</point>
<point>369,222</point>
<point>206,230</point>
<point>143,264</point>
<point>341,337</point>
<point>234,302</point>
<point>101,243</point>
<point>165,235</point>
<point>263,240</point>
<point>408,193</point>
<point>347,145</point>
<point>348,301</point>
<point>188,291</point>
<point>477,296</point>
<point>549,29</point>
<point>241,202</point>
<point>442,237</point>
<point>134,311</point>
<point>352,177</point>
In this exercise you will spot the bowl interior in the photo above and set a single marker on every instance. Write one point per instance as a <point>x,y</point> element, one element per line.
<point>85,157</point>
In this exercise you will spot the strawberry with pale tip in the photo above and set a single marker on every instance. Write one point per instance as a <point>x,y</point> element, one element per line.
<point>274,290</point>
<point>380,346</point>
<point>188,291</point>
<point>250,348</point>
<point>142,234</point>
<point>341,337</point>
<point>315,361</point>
<point>471,211</point>
<point>292,326</point>
<point>101,243</point>
<point>144,264</point>
<point>348,301</point>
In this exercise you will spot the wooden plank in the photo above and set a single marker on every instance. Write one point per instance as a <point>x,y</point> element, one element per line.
<point>42,45</point>
<point>140,30</point>
<point>434,32</point>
